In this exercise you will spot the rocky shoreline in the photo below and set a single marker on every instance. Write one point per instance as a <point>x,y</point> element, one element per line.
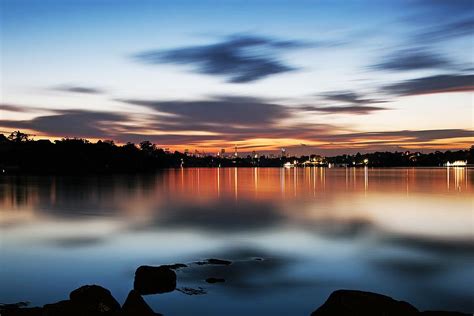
<point>94,300</point>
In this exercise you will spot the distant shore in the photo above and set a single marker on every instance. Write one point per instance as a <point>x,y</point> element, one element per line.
<point>21,155</point>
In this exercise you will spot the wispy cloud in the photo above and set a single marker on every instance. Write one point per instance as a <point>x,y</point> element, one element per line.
<point>220,110</point>
<point>223,120</point>
<point>347,109</point>
<point>447,31</point>
<point>72,123</point>
<point>349,97</point>
<point>78,89</point>
<point>237,58</point>
<point>432,84</point>
<point>412,59</point>
<point>13,108</point>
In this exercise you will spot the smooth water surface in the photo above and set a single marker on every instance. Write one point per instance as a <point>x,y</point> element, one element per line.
<point>407,233</point>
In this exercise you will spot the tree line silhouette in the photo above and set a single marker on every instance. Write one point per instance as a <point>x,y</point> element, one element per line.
<point>20,154</point>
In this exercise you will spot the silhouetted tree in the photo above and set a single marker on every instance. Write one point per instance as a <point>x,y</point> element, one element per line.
<point>18,137</point>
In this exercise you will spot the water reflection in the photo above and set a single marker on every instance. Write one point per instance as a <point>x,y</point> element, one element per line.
<point>404,232</point>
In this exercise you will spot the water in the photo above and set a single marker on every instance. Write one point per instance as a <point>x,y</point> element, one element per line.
<point>407,233</point>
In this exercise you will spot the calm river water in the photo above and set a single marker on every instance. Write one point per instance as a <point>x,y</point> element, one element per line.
<point>406,233</point>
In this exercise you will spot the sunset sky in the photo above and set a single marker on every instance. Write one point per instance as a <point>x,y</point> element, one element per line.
<point>311,76</point>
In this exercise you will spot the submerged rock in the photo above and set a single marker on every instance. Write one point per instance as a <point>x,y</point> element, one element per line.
<point>349,302</point>
<point>176,266</point>
<point>215,280</point>
<point>135,305</point>
<point>192,291</point>
<point>214,261</point>
<point>154,280</point>
<point>13,305</point>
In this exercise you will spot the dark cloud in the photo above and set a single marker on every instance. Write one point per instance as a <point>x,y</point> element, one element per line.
<point>432,84</point>
<point>224,120</point>
<point>12,108</point>
<point>74,123</point>
<point>412,59</point>
<point>350,109</point>
<point>349,97</point>
<point>232,118</point>
<point>78,89</point>
<point>223,110</point>
<point>238,58</point>
<point>420,135</point>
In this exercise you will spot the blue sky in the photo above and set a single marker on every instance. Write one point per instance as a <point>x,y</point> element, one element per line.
<point>334,75</point>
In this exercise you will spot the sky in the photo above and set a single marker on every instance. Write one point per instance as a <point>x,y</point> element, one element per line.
<point>310,76</point>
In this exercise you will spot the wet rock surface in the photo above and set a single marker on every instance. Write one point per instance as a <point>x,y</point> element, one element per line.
<point>154,280</point>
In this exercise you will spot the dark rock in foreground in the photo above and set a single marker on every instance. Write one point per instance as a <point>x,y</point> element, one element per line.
<point>154,280</point>
<point>353,303</point>
<point>88,300</point>
<point>360,303</point>
<point>214,261</point>
<point>440,313</point>
<point>215,280</point>
<point>135,305</point>
<point>94,298</point>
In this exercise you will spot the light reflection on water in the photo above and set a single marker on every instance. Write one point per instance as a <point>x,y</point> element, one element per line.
<point>407,233</point>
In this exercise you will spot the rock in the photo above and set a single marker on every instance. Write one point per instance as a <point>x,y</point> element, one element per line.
<point>153,280</point>
<point>440,313</point>
<point>94,299</point>
<point>215,280</point>
<point>214,261</point>
<point>192,291</point>
<point>355,303</point>
<point>175,266</point>
<point>135,305</point>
